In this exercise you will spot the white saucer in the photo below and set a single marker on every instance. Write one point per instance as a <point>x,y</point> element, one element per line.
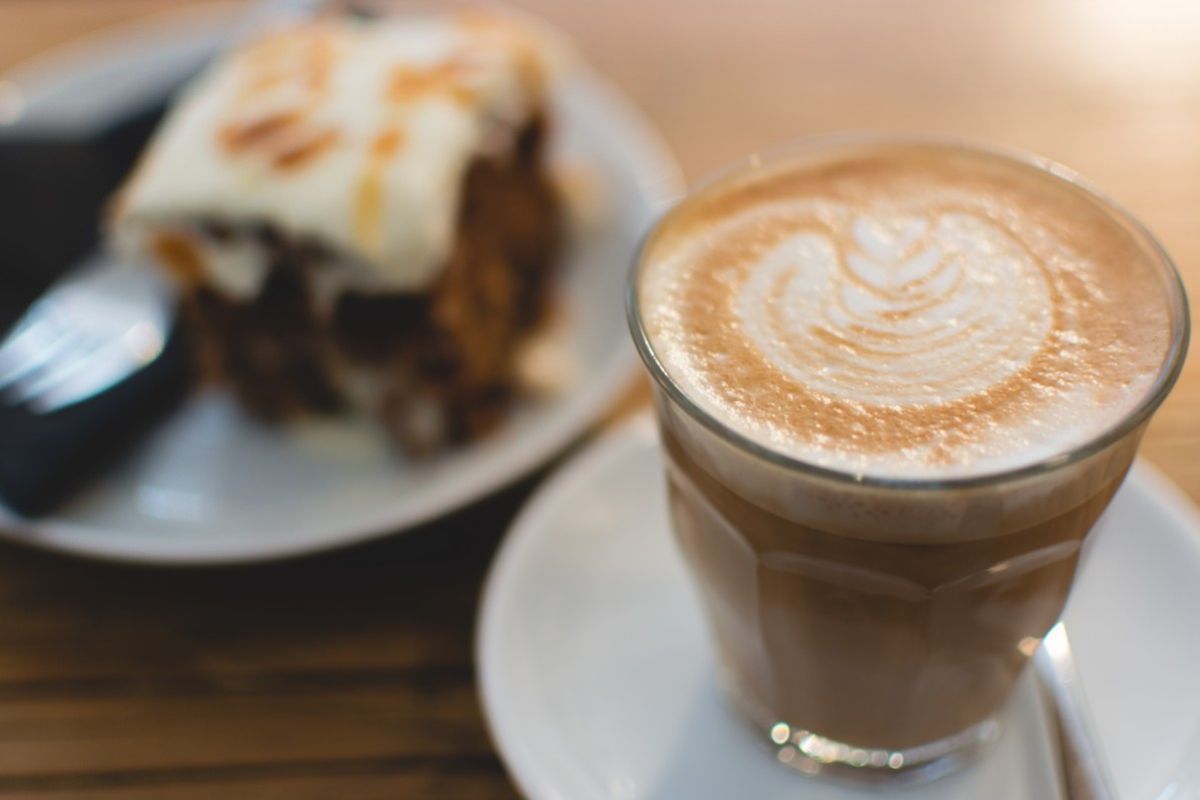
<point>598,681</point>
<point>212,486</point>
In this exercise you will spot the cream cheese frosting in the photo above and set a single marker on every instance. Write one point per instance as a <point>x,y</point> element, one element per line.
<point>351,134</point>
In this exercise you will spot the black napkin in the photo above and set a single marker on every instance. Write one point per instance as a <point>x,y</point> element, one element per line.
<point>53,190</point>
<point>44,458</point>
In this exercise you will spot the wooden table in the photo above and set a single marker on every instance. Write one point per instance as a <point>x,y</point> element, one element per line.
<point>350,675</point>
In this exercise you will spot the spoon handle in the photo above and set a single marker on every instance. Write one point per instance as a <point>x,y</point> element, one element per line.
<point>1083,767</point>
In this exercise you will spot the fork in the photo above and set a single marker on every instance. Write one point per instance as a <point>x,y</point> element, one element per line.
<point>95,327</point>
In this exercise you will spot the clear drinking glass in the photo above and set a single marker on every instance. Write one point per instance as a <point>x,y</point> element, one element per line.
<point>869,626</point>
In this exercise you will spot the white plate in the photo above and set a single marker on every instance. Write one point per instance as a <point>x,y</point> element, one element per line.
<point>212,486</point>
<point>598,681</point>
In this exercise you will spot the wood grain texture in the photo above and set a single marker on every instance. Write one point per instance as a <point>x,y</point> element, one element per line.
<point>350,675</point>
<point>321,786</point>
<point>344,676</point>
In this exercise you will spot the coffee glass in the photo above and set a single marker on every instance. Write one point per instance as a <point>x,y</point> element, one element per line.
<point>874,626</point>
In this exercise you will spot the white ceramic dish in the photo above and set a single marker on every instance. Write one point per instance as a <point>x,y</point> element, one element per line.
<point>597,677</point>
<point>212,486</point>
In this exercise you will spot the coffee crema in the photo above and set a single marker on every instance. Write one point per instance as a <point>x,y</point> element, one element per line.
<point>910,309</point>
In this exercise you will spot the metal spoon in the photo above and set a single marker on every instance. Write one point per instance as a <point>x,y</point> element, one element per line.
<point>1082,765</point>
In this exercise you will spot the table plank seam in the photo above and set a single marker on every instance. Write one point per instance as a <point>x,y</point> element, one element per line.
<point>424,677</point>
<point>278,770</point>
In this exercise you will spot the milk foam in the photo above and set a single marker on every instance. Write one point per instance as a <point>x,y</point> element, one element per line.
<point>930,309</point>
<point>925,312</point>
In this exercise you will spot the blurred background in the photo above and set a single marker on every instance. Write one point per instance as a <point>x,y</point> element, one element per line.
<point>292,680</point>
<point>1110,88</point>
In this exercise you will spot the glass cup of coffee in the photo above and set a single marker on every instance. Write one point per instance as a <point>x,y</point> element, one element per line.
<point>897,381</point>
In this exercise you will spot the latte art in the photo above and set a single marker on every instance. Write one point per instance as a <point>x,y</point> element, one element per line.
<point>911,310</point>
<point>903,311</point>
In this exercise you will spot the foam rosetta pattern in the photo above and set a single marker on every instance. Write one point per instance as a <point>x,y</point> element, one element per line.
<point>899,310</point>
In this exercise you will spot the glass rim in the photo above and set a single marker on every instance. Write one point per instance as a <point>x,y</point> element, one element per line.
<point>1165,379</point>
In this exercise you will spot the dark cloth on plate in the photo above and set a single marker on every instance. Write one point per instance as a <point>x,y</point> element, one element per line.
<point>44,458</point>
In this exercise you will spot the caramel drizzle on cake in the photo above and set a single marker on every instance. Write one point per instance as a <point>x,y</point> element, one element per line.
<point>368,206</point>
<point>409,84</point>
<point>490,30</point>
<point>287,74</point>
